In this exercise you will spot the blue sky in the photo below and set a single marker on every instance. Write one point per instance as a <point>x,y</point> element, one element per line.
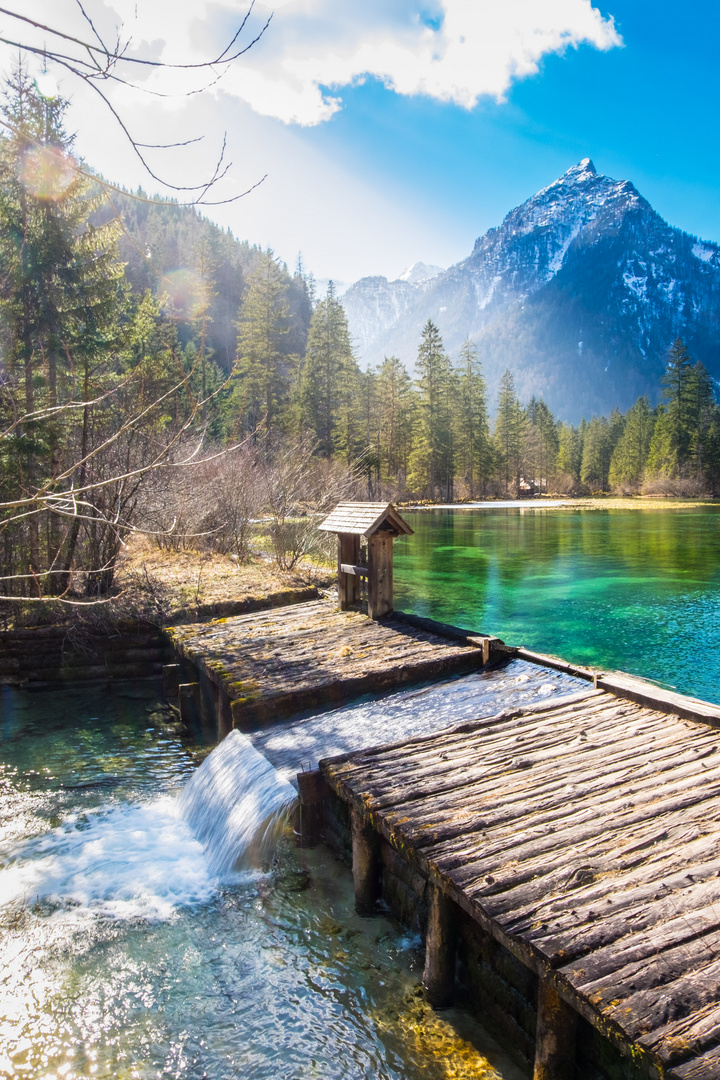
<point>365,175</point>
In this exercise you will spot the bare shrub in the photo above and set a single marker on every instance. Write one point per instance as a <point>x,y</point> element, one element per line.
<point>298,490</point>
<point>684,487</point>
<point>565,484</point>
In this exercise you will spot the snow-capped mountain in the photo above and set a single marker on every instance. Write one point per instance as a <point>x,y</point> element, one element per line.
<point>580,292</point>
<point>374,305</point>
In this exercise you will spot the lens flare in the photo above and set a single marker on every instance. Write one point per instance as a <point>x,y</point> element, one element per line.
<point>187,295</point>
<point>46,86</point>
<point>46,172</point>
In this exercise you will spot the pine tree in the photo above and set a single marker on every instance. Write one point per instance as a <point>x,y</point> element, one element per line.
<point>396,408</point>
<point>541,443</point>
<point>328,390</point>
<point>569,457</point>
<point>670,449</point>
<point>59,299</point>
<point>701,393</point>
<point>432,460</point>
<point>263,369</point>
<point>596,454</point>
<point>509,436</point>
<point>627,465</point>
<point>474,451</point>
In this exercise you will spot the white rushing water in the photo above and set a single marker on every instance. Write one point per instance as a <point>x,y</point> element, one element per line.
<point>147,859</point>
<point>128,860</point>
<point>292,744</point>
<point>236,805</point>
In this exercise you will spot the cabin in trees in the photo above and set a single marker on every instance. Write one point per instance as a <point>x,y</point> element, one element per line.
<point>378,524</point>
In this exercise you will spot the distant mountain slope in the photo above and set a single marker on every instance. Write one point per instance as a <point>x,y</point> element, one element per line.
<point>580,291</point>
<point>166,246</point>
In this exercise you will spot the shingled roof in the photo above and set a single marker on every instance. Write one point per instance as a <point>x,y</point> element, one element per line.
<point>364,519</point>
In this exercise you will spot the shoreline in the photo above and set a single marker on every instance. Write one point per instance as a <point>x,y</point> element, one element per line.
<point>582,502</point>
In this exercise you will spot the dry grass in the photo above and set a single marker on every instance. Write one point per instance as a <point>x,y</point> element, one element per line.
<point>176,582</point>
<point>631,502</point>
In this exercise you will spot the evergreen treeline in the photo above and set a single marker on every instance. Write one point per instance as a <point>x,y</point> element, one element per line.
<point>431,437</point>
<point>125,346</point>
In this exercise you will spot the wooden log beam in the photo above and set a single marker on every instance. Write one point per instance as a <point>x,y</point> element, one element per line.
<point>310,813</point>
<point>366,864</point>
<point>439,974</point>
<point>189,703</point>
<point>555,1036</point>
<point>348,584</point>
<point>380,575</point>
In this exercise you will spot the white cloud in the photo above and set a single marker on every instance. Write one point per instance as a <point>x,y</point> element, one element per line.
<point>453,51</point>
<point>464,50</point>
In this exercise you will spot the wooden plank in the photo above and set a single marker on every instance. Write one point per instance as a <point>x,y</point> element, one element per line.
<point>654,697</point>
<point>584,837</point>
<point>706,1067</point>
<point>354,571</point>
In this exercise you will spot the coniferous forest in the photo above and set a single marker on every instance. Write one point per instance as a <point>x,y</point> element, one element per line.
<point>158,375</point>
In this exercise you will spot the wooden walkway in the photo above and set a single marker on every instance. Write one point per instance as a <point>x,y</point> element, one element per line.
<point>272,664</point>
<point>585,838</point>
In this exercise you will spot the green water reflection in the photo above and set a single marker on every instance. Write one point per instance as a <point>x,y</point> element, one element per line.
<point>637,589</point>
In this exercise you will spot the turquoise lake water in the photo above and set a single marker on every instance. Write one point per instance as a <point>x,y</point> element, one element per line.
<point>635,590</point>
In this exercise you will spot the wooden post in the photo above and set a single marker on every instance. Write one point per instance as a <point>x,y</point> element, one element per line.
<point>188,701</point>
<point>348,586</point>
<point>439,975</point>
<point>365,865</point>
<point>555,1037</point>
<point>171,680</point>
<point>310,810</point>
<point>380,575</point>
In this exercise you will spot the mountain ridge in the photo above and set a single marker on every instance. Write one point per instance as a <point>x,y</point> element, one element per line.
<point>580,291</point>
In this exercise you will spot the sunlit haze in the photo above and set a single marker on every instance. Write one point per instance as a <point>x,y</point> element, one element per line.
<point>395,133</point>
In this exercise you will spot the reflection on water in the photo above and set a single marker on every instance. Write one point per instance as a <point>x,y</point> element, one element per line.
<point>123,953</point>
<point>636,590</point>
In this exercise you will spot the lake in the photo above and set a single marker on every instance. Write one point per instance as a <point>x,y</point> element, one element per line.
<point>636,590</point>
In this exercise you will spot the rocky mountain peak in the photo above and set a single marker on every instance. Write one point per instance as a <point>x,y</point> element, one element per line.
<point>420,272</point>
<point>580,291</point>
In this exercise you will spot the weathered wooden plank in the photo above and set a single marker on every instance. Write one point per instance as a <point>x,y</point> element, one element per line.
<point>379,773</point>
<point>590,840</point>
<point>636,884</point>
<point>691,1038</point>
<point>585,838</point>
<point>654,697</point>
<point>705,1067</point>
<point>488,800</point>
<point>645,1011</point>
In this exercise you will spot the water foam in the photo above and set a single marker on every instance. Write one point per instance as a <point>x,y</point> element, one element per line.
<point>236,804</point>
<point>124,861</point>
<point>145,860</point>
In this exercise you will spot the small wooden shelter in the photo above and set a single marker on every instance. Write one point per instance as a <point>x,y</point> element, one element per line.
<point>379,524</point>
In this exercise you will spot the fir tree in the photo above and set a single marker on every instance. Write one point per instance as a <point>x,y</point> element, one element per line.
<point>471,422</point>
<point>263,368</point>
<point>432,460</point>
<point>59,299</point>
<point>396,414</point>
<point>670,449</point>
<point>328,390</point>
<point>596,454</point>
<point>509,435</point>
<point>627,465</point>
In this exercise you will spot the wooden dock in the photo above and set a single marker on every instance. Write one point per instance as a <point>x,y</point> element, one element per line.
<point>584,838</point>
<point>254,668</point>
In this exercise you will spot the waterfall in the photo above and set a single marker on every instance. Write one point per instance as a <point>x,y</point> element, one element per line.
<point>236,804</point>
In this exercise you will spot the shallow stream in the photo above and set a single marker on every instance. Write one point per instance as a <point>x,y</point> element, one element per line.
<point>129,950</point>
